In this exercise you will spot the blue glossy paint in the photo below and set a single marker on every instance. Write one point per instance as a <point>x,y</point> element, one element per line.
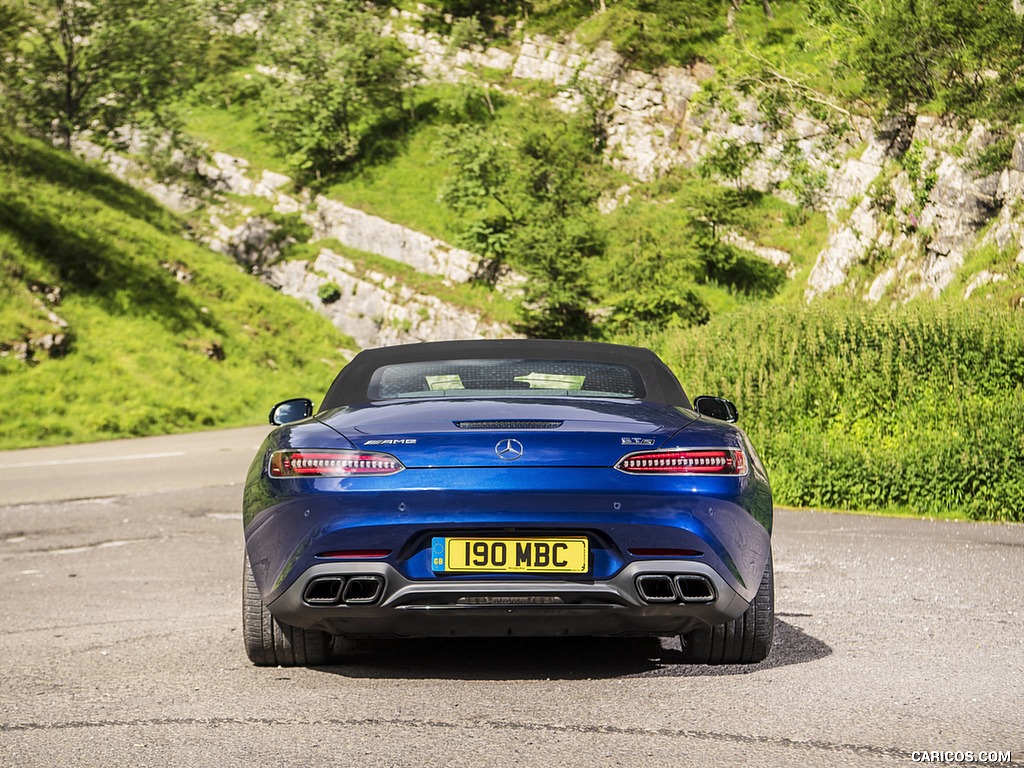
<point>455,482</point>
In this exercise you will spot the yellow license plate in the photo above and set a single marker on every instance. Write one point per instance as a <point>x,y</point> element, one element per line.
<point>565,554</point>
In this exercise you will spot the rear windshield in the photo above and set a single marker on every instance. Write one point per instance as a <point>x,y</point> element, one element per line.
<point>505,378</point>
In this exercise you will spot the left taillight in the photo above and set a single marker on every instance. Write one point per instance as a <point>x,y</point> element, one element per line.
<point>327,463</point>
<point>689,461</point>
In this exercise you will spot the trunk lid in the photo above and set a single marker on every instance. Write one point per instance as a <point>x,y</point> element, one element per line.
<point>511,432</point>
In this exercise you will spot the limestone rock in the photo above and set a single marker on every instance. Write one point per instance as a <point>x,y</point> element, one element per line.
<point>377,310</point>
<point>360,230</point>
<point>846,247</point>
<point>983,278</point>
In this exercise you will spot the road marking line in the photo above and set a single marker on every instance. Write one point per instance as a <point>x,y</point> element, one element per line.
<point>91,460</point>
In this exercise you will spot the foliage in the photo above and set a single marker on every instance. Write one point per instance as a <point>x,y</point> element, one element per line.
<point>960,55</point>
<point>329,292</point>
<point>861,408</point>
<point>524,200</point>
<point>808,186</point>
<point>99,63</point>
<point>339,84</point>
<point>12,22</point>
<point>728,159</point>
<point>651,269</point>
<point>995,157</point>
<point>167,335</point>
<point>654,33</point>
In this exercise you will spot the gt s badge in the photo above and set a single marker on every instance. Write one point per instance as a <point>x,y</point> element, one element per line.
<point>638,441</point>
<point>393,441</point>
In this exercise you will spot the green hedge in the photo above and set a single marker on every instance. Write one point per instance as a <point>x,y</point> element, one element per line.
<point>917,409</point>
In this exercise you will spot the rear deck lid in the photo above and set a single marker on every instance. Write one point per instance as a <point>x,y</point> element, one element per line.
<point>513,432</point>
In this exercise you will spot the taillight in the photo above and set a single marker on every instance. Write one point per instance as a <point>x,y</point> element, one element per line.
<point>325,463</point>
<point>688,461</point>
<point>355,554</point>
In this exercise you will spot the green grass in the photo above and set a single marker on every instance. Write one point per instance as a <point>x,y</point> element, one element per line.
<point>910,410</point>
<point>404,189</point>
<point>235,130</point>
<point>143,356</point>
<point>397,180</point>
<point>991,258</point>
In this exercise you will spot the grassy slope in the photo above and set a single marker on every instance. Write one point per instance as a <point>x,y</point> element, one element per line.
<point>138,362</point>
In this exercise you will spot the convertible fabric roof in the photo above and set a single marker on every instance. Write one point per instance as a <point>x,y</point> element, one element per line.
<point>352,384</point>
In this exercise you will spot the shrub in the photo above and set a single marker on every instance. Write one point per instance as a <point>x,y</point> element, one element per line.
<point>329,293</point>
<point>914,409</point>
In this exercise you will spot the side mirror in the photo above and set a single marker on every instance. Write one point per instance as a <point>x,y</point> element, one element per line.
<point>286,412</point>
<point>717,408</point>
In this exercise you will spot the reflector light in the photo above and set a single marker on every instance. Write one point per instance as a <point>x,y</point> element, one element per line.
<point>690,461</point>
<point>355,554</point>
<point>664,552</point>
<point>323,463</point>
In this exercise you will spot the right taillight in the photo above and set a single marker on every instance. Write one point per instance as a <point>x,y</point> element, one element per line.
<point>685,461</point>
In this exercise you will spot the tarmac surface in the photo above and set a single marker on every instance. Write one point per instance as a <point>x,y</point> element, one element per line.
<point>897,640</point>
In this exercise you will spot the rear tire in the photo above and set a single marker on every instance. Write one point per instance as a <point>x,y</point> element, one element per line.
<point>268,642</point>
<point>746,640</point>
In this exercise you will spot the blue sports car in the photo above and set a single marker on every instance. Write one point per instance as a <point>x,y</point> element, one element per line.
<point>518,487</point>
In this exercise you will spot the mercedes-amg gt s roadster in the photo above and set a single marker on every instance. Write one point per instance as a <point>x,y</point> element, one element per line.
<point>495,488</point>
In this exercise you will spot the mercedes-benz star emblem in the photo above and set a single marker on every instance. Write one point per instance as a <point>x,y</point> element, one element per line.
<point>509,450</point>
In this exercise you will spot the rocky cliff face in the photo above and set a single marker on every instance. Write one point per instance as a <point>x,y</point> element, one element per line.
<point>916,220</point>
<point>906,226</point>
<point>906,201</point>
<point>374,308</point>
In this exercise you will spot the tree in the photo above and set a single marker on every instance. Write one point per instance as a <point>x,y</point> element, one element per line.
<point>11,27</point>
<point>652,269</point>
<point>734,7</point>
<point>100,63</point>
<point>962,56</point>
<point>714,213</point>
<point>525,202</point>
<point>654,33</point>
<point>728,159</point>
<point>341,79</point>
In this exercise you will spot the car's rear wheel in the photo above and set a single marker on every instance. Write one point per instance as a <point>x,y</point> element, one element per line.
<point>268,642</point>
<point>745,640</point>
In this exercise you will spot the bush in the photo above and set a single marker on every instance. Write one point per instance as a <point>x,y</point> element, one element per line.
<point>914,409</point>
<point>329,293</point>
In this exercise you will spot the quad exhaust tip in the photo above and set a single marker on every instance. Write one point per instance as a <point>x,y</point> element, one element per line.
<point>682,588</point>
<point>343,590</point>
<point>362,590</point>
<point>656,588</point>
<point>694,588</point>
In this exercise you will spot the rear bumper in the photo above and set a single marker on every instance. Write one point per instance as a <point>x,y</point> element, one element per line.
<point>488,608</point>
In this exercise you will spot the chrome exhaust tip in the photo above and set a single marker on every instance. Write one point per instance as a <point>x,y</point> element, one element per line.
<point>693,588</point>
<point>655,588</point>
<point>325,590</point>
<point>363,590</point>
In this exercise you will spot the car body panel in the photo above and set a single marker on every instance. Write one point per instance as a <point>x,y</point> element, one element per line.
<point>424,433</point>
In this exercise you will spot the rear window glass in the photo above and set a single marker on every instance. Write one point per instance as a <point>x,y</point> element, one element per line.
<point>505,378</point>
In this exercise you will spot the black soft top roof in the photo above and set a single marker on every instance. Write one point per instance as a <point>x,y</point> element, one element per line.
<point>352,384</point>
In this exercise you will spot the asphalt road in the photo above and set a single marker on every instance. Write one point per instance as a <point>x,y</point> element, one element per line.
<point>120,646</point>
